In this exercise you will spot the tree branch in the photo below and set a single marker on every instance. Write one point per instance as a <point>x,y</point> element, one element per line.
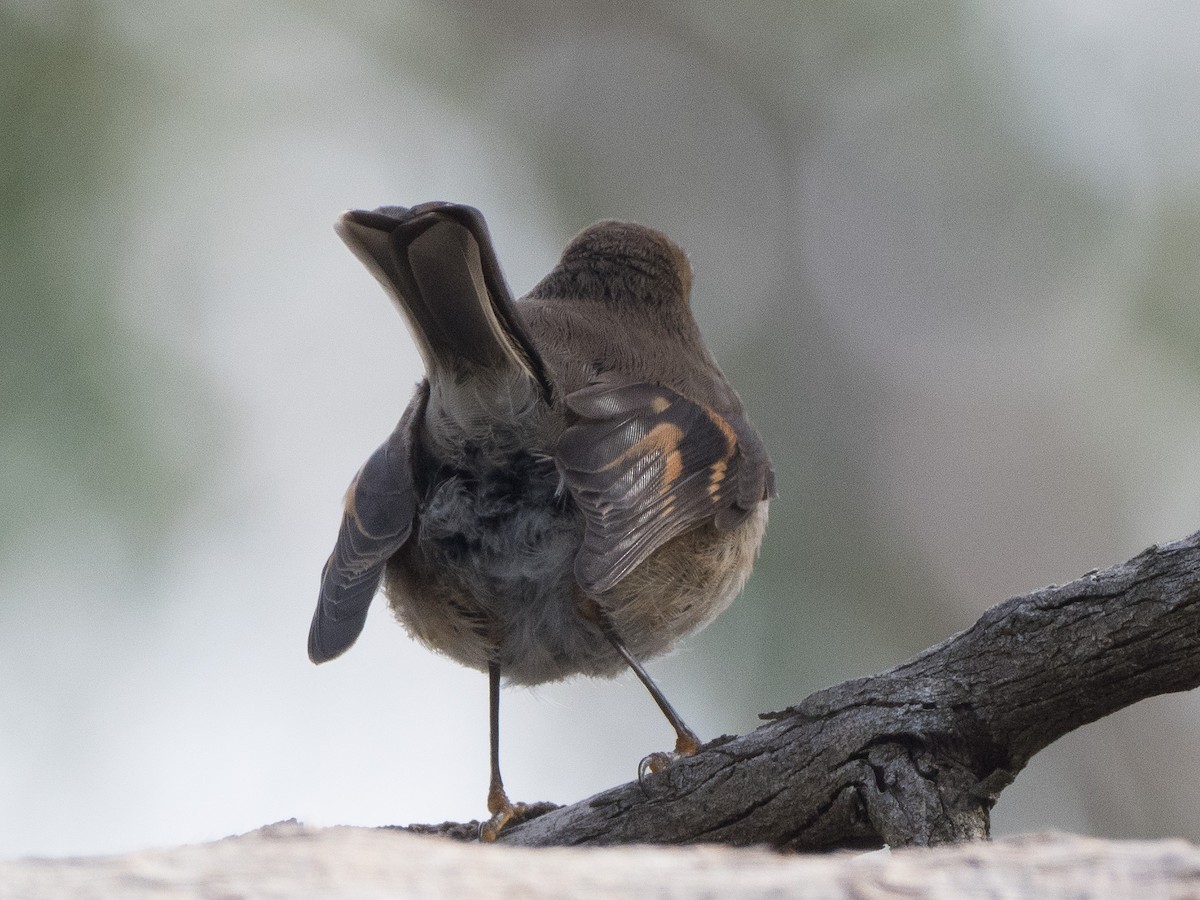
<point>919,754</point>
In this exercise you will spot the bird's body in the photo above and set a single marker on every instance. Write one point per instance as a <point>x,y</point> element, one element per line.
<point>489,572</point>
<point>574,486</point>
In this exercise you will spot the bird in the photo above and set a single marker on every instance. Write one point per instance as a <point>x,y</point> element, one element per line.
<point>574,485</point>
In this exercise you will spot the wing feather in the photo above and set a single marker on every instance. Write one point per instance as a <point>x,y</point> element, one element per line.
<point>645,464</point>
<point>380,506</point>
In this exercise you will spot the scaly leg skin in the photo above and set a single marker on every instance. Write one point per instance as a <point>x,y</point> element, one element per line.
<point>498,804</point>
<point>686,741</point>
<point>502,809</point>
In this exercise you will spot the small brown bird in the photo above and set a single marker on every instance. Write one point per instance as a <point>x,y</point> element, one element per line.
<point>573,488</point>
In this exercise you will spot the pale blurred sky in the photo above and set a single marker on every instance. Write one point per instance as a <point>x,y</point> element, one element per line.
<point>946,251</point>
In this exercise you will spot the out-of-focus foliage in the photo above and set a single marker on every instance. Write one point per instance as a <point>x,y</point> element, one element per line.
<point>95,422</point>
<point>945,250</point>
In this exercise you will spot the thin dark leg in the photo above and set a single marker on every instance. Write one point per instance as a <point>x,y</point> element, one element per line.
<point>496,795</point>
<point>501,808</point>
<point>686,741</point>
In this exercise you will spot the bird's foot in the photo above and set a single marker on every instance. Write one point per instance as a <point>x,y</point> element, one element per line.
<point>685,745</point>
<point>503,811</point>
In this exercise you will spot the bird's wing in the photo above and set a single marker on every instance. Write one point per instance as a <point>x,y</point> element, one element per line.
<point>380,506</point>
<point>646,464</point>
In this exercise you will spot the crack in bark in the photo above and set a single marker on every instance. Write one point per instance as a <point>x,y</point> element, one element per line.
<point>740,816</point>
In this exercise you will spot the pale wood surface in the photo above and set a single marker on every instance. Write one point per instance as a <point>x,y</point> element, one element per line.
<point>290,860</point>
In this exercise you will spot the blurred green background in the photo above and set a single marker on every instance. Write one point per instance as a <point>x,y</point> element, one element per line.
<point>945,250</point>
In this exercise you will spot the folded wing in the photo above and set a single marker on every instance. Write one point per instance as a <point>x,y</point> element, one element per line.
<point>646,464</point>
<point>380,506</point>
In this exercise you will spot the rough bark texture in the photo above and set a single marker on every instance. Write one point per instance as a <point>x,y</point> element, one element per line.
<point>919,754</point>
<point>289,860</point>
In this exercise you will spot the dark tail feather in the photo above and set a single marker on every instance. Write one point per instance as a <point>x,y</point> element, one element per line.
<point>437,262</point>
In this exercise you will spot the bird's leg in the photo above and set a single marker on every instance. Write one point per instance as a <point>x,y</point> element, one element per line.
<point>498,804</point>
<point>686,741</point>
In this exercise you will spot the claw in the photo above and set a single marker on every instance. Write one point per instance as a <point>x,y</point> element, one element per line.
<point>653,764</point>
<point>503,811</point>
<point>490,830</point>
<point>686,744</point>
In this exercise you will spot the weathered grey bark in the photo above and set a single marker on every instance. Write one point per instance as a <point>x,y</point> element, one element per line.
<point>919,754</point>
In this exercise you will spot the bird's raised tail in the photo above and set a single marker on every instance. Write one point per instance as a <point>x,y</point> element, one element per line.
<point>437,263</point>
